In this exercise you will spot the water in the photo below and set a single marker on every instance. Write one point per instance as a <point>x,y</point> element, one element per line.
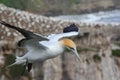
<point>99,17</point>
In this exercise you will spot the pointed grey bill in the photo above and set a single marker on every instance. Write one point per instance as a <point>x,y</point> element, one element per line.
<point>76,53</point>
<point>74,50</point>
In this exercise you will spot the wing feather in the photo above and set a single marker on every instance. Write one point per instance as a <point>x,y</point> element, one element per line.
<point>56,37</point>
<point>25,33</point>
<point>71,30</point>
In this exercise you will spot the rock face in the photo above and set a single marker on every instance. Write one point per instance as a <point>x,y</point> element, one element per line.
<point>93,44</point>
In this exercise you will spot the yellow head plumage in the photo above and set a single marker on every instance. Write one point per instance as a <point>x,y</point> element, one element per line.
<point>68,43</point>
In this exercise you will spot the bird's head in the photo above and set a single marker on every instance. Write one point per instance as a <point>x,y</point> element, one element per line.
<point>70,45</point>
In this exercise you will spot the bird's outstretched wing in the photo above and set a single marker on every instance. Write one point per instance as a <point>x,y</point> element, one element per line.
<point>56,37</point>
<point>68,31</point>
<point>25,33</point>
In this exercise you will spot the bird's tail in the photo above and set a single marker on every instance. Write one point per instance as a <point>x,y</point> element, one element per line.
<point>18,61</point>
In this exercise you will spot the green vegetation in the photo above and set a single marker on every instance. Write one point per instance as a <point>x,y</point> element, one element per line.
<point>18,4</point>
<point>74,1</point>
<point>58,7</point>
<point>36,6</point>
<point>116,52</point>
<point>14,71</point>
<point>51,7</point>
<point>9,59</point>
<point>96,58</point>
<point>84,49</point>
<point>17,70</point>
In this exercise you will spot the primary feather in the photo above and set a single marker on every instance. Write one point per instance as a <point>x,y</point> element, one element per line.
<point>25,33</point>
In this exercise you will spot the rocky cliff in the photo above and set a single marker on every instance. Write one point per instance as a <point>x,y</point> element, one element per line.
<point>94,44</point>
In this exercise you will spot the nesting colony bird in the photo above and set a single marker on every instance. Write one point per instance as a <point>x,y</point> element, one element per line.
<point>40,48</point>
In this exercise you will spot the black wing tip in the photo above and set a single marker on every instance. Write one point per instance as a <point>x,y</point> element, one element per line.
<point>2,22</point>
<point>71,28</point>
<point>5,23</point>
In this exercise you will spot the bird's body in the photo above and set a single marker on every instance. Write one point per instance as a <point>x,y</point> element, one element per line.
<point>40,48</point>
<point>39,53</point>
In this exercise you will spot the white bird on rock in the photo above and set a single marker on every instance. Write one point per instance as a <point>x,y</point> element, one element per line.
<point>40,48</point>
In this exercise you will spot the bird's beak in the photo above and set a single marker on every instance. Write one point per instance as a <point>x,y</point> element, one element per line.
<point>76,53</point>
<point>74,50</point>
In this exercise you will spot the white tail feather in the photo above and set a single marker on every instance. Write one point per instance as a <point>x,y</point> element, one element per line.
<point>18,60</point>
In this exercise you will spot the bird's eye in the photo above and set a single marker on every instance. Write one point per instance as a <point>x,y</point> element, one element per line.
<point>71,48</point>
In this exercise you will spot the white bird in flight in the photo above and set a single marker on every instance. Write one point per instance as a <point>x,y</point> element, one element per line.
<point>40,48</point>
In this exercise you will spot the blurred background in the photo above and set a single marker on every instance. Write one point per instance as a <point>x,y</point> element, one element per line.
<point>98,42</point>
<point>62,7</point>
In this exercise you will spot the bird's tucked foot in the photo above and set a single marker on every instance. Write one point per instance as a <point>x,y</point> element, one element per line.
<point>29,67</point>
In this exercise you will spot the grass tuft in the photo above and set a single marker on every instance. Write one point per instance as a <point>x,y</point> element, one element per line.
<point>96,58</point>
<point>116,52</point>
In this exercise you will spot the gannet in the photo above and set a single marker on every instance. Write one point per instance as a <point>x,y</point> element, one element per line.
<point>40,48</point>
